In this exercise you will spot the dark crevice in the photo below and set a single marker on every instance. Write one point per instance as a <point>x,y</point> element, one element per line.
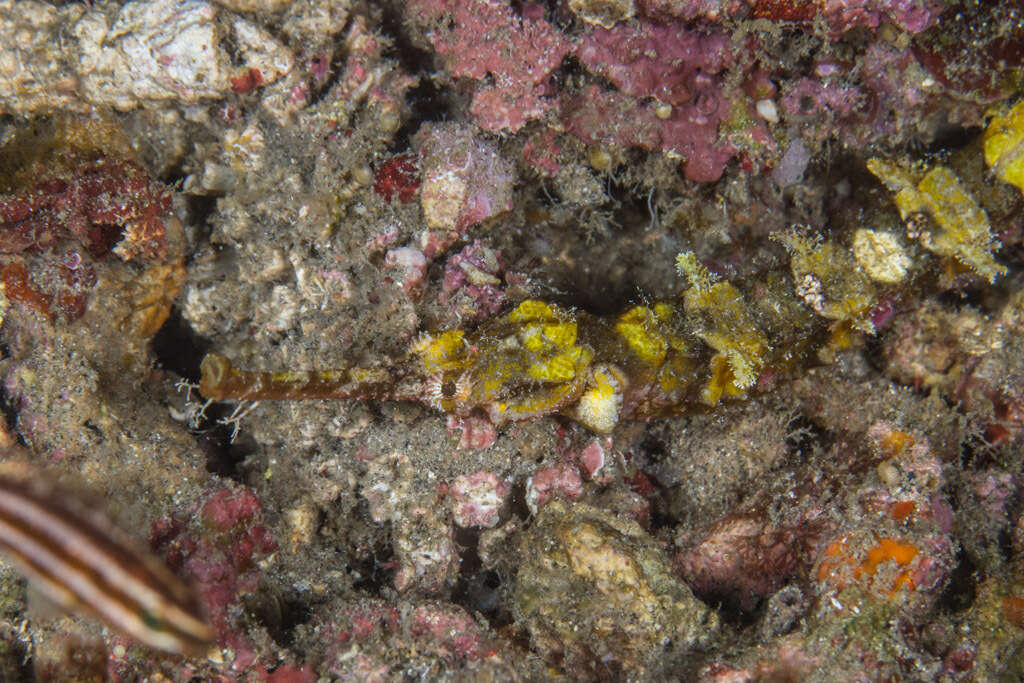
<point>371,575</point>
<point>976,453</point>
<point>517,502</point>
<point>804,436</point>
<point>427,101</point>
<point>1004,541</point>
<point>8,410</point>
<point>411,58</point>
<point>94,428</point>
<point>654,450</point>
<point>660,516</point>
<point>957,299</point>
<point>173,176</point>
<point>200,209</point>
<point>229,46</point>
<point>280,615</point>
<point>180,350</point>
<point>728,606</point>
<point>951,136</point>
<point>1014,508</point>
<point>479,590</point>
<point>874,347</point>
<point>594,258</point>
<point>335,70</point>
<point>571,73</point>
<point>963,585</point>
<point>370,554</point>
<point>225,450</point>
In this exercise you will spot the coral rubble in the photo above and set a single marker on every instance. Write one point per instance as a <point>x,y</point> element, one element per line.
<point>677,339</point>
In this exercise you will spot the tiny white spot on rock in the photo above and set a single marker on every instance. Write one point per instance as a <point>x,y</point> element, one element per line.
<point>766,110</point>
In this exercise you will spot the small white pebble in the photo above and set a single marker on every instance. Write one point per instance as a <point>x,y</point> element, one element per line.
<point>888,473</point>
<point>663,110</point>
<point>362,175</point>
<point>767,110</point>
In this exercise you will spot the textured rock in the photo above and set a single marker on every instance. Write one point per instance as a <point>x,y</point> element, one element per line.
<point>593,588</point>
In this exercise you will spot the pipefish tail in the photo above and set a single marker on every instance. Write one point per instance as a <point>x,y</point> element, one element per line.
<point>81,561</point>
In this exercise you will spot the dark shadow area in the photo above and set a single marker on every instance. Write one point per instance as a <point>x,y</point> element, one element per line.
<point>478,590</point>
<point>517,506</point>
<point>427,101</point>
<point>371,557</point>
<point>599,261</point>
<point>200,209</point>
<point>959,595</point>
<point>180,350</point>
<point>279,614</point>
<point>804,436</point>
<point>8,410</point>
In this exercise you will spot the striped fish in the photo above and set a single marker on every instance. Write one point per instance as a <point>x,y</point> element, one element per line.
<point>78,559</point>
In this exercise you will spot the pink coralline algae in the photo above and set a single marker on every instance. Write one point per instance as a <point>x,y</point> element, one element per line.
<point>454,631</point>
<point>593,456</point>
<point>465,181</point>
<point>975,60</point>
<point>374,628</point>
<point>476,499</point>
<point>471,287</point>
<point>681,70</point>
<point>226,509</point>
<point>840,16</point>
<point>360,82</point>
<point>742,559</point>
<point>812,98</point>
<point>425,549</point>
<point>465,35</point>
<point>913,16</point>
<point>410,266</point>
<point>219,558</point>
<point>667,63</point>
<point>475,432</point>
<point>897,530</point>
<point>541,152</point>
<point>666,10</point>
<point>557,481</point>
<point>691,131</point>
<point>881,100</point>
<point>674,89</point>
<point>678,68</point>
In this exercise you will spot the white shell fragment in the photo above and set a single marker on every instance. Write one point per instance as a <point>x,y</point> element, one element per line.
<point>166,49</point>
<point>126,56</point>
<point>881,256</point>
<point>767,110</point>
